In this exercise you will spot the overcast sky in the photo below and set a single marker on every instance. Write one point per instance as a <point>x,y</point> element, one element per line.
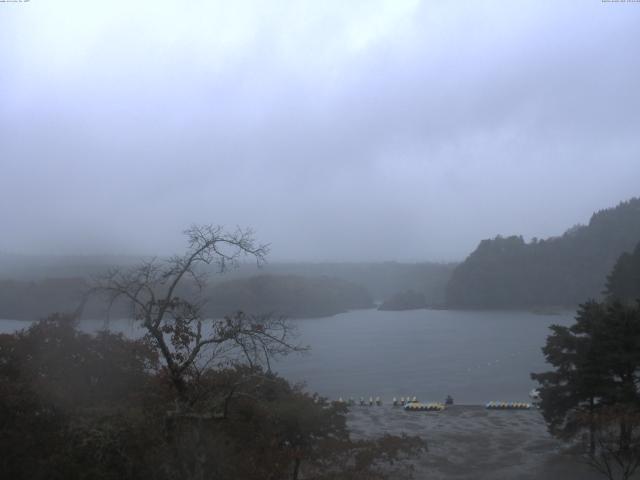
<point>338,130</point>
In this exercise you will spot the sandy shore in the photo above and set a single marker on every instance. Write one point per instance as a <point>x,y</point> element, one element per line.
<point>472,442</point>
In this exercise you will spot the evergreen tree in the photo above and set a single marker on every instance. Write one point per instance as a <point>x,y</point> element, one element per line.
<point>579,381</point>
<point>623,283</point>
<point>594,385</point>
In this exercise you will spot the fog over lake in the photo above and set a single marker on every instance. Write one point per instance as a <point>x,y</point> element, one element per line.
<point>475,356</point>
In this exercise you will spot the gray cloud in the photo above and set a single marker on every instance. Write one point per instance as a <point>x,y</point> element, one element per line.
<point>381,130</point>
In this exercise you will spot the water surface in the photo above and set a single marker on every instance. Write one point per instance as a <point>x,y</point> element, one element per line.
<point>473,356</point>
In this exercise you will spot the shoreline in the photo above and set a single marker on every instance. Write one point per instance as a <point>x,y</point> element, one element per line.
<point>470,441</point>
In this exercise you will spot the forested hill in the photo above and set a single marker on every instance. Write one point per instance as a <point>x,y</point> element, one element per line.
<point>508,272</point>
<point>280,295</point>
<point>288,295</point>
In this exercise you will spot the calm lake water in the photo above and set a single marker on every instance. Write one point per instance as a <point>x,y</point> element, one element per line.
<point>473,356</point>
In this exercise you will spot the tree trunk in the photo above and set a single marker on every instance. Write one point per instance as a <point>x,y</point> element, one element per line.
<point>625,437</point>
<point>592,428</point>
<point>296,469</point>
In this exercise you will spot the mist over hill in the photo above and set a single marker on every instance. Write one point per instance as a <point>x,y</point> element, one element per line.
<point>508,272</point>
<point>31,287</point>
<point>503,272</point>
<point>287,295</point>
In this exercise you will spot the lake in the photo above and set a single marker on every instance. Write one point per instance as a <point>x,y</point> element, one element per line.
<point>475,356</point>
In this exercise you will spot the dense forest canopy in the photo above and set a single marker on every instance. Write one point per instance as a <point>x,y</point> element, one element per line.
<point>508,272</point>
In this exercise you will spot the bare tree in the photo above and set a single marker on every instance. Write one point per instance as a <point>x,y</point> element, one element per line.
<point>176,326</point>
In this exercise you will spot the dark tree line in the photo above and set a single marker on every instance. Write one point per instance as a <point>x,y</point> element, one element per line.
<point>293,296</point>
<point>508,272</point>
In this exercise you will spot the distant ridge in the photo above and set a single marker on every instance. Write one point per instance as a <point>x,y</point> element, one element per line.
<point>287,295</point>
<point>507,272</point>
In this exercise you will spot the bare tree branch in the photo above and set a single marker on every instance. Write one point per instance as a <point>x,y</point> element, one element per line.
<point>176,327</point>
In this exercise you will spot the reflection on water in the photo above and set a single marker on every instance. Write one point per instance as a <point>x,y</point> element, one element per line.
<point>473,356</point>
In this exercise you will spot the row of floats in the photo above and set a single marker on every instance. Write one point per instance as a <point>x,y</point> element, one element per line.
<point>396,403</point>
<point>424,407</point>
<point>414,405</point>
<point>362,402</point>
<point>508,406</point>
